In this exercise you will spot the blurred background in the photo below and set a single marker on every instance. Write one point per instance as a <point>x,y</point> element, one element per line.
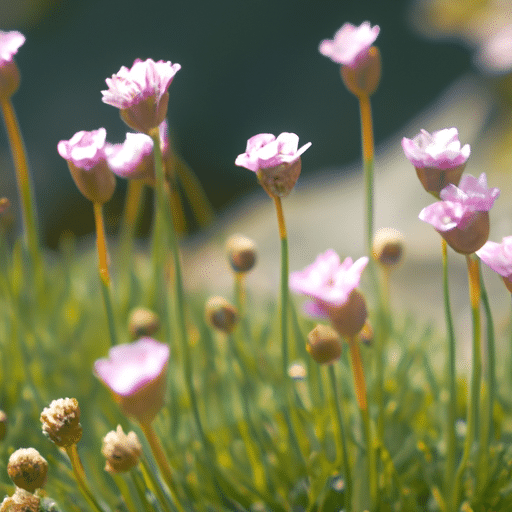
<point>248,66</point>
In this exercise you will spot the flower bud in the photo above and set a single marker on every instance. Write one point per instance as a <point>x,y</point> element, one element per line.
<point>10,42</point>
<point>363,79</point>
<point>349,318</point>
<point>241,253</point>
<point>3,425</point>
<point>143,322</point>
<point>61,422</point>
<point>324,344</point>
<point>121,451</point>
<point>27,469</point>
<point>388,247</point>
<point>220,314</point>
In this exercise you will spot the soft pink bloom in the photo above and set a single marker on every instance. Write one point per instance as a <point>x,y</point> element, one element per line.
<point>84,149</point>
<point>86,155</point>
<point>440,150</point>
<point>328,281</point>
<point>133,158</point>
<point>459,204</point>
<point>141,93</point>
<point>498,257</point>
<point>495,54</point>
<point>9,45</point>
<point>265,150</point>
<point>136,374</point>
<point>350,44</point>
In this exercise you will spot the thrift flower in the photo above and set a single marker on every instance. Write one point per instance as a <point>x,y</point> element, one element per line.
<point>86,155</point>
<point>27,469</point>
<point>9,73</point>
<point>121,451</point>
<point>136,375</point>
<point>360,61</point>
<point>350,44</point>
<point>499,258</point>
<point>276,161</point>
<point>462,217</point>
<point>438,158</point>
<point>61,422</point>
<point>332,287</point>
<point>141,93</point>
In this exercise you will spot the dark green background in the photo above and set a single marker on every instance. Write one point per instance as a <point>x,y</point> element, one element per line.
<point>247,67</point>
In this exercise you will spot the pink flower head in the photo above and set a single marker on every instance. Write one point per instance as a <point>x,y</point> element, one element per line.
<point>462,216</point>
<point>141,93</point>
<point>275,160</point>
<point>499,258</point>
<point>439,150</point>
<point>327,281</point>
<point>495,55</point>
<point>9,45</point>
<point>86,155</point>
<point>9,73</point>
<point>136,374</point>
<point>350,44</point>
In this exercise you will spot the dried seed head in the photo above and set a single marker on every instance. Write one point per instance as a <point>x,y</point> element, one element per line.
<point>20,501</point>
<point>143,322</point>
<point>220,314</point>
<point>241,253</point>
<point>61,422</point>
<point>121,451</point>
<point>388,247</point>
<point>27,469</point>
<point>324,344</point>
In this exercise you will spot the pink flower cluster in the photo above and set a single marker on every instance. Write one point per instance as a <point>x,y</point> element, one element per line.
<point>10,42</point>
<point>499,258</point>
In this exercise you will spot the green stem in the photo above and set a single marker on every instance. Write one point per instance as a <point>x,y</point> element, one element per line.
<point>341,437</point>
<point>162,462</point>
<point>24,185</point>
<point>79,473</point>
<point>165,212</point>
<point>474,399</point>
<point>151,483</point>
<point>452,403</point>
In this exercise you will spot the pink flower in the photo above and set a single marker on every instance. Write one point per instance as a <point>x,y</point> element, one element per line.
<point>499,258</point>
<point>9,45</point>
<point>495,55</point>
<point>136,375</point>
<point>350,44</point>
<point>462,216</point>
<point>275,160</point>
<point>327,281</point>
<point>9,73</point>
<point>440,150</point>
<point>86,155</point>
<point>141,93</point>
<point>332,286</point>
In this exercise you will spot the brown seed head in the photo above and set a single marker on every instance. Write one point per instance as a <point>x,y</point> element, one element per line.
<point>220,314</point>
<point>121,451</point>
<point>20,501</point>
<point>241,253</point>
<point>27,469</point>
<point>61,422</point>
<point>388,247</point>
<point>324,344</point>
<point>143,322</point>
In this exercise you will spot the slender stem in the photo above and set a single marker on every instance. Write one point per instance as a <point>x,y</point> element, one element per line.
<point>150,482</point>
<point>131,213</point>
<point>368,152</point>
<point>491,359</point>
<point>161,460</point>
<point>360,390</point>
<point>472,429</point>
<point>125,492</point>
<point>341,437</point>
<point>284,283</point>
<point>79,473</point>
<point>101,245</point>
<point>23,182</point>
<point>165,212</point>
<point>452,403</point>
